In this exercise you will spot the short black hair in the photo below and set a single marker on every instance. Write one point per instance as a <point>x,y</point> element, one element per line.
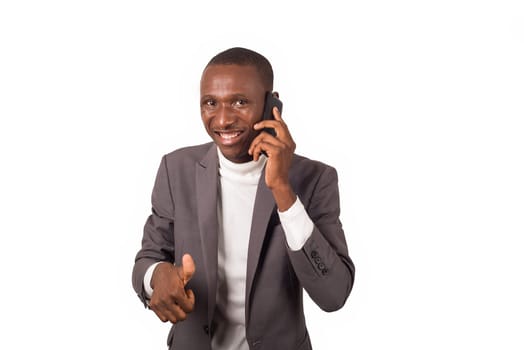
<point>245,57</point>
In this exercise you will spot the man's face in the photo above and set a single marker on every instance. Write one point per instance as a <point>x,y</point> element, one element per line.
<point>231,102</point>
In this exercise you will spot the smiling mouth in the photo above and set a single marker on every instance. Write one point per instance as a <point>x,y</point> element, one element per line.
<point>228,137</point>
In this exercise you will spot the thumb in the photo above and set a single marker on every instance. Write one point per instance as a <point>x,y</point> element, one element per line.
<point>188,268</point>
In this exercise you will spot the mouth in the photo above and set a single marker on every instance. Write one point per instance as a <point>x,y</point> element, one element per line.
<point>228,137</point>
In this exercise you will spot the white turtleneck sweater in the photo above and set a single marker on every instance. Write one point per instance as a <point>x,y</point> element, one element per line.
<point>238,187</point>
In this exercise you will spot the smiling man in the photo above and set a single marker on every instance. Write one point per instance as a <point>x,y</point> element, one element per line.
<point>242,225</point>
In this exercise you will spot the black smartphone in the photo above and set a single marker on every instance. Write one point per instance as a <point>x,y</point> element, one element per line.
<point>270,102</point>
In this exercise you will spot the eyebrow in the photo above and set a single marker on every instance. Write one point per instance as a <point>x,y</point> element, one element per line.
<point>233,95</point>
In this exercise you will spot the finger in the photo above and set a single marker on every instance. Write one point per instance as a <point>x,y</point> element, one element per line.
<point>269,148</point>
<point>191,296</point>
<point>171,311</point>
<point>268,139</point>
<point>164,315</point>
<point>183,299</point>
<point>278,117</point>
<point>177,313</point>
<point>255,141</point>
<point>160,315</point>
<point>188,268</point>
<point>191,301</point>
<point>273,124</point>
<point>259,141</point>
<point>277,114</point>
<point>279,126</point>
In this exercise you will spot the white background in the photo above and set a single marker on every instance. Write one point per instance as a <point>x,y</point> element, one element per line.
<point>418,104</point>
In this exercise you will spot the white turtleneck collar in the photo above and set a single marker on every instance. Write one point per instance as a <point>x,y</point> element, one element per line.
<point>245,173</point>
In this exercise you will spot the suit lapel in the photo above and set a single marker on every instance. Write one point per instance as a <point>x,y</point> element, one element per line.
<point>206,191</point>
<point>264,206</point>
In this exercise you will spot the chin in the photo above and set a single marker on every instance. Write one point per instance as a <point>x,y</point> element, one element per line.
<point>236,157</point>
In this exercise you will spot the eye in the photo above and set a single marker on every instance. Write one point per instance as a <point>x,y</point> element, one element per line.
<point>240,102</point>
<point>209,103</point>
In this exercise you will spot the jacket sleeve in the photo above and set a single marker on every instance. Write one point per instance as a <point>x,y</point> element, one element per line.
<point>323,265</point>
<point>158,239</point>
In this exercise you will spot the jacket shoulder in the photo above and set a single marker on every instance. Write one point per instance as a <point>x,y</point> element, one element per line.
<point>190,154</point>
<point>308,176</point>
<point>303,165</point>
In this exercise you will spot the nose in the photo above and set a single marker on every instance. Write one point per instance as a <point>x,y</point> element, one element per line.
<point>224,116</point>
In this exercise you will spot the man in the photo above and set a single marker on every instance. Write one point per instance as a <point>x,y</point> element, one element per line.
<point>240,226</point>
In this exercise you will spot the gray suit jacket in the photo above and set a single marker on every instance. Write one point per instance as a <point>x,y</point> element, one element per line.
<point>184,220</point>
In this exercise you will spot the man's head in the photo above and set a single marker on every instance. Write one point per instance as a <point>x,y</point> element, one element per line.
<point>232,93</point>
<point>245,57</point>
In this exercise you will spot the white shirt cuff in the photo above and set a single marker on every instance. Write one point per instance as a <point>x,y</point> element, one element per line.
<point>147,279</point>
<point>297,225</point>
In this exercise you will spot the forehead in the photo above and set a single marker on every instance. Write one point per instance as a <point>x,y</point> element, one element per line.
<point>220,79</point>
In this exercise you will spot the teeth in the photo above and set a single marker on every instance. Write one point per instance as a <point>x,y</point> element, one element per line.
<point>229,135</point>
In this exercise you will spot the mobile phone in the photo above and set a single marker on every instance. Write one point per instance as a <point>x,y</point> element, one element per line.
<point>270,102</point>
